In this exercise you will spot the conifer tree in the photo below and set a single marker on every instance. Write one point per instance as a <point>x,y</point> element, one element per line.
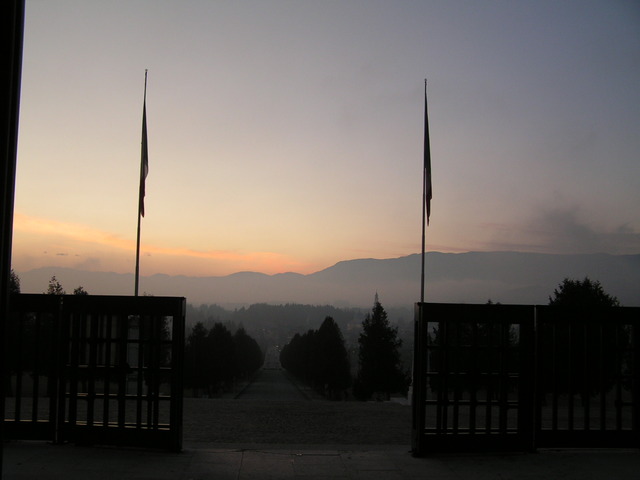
<point>380,368</point>
<point>333,360</point>
<point>55,287</point>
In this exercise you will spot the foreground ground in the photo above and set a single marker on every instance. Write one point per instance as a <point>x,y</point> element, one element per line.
<point>296,422</point>
<point>274,410</point>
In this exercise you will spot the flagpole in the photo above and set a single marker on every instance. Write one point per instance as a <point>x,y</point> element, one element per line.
<point>143,175</point>
<point>419,356</point>
<point>426,188</point>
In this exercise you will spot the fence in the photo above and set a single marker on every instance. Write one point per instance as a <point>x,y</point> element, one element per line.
<point>523,377</point>
<point>95,369</point>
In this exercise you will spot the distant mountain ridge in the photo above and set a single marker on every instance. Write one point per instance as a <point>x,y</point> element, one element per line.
<point>473,277</point>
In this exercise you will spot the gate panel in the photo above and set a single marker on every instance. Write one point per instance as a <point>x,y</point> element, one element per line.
<point>587,362</point>
<point>96,369</point>
<point>123,372</point>
<point>474,378</point>
<point>525,377</point>
<point>32,372</point>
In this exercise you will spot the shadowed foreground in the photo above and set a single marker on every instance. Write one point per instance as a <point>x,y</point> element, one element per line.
<point>272,409</point>
<point>296,422</point>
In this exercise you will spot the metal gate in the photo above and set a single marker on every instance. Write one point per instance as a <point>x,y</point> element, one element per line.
<point>472,378</point>
<point>588,381</point>
<point>504,377</point>
<point>95,370</point>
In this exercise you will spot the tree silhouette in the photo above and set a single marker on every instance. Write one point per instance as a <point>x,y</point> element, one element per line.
<point>333,372</point>
<point>299,356</point>
<point>319,358</point>
<point>55,288</point>
<point>585,293</point>
<point>196,357</point>
<point>248,354</point>
<point>80,291</point>
<point>14,283</point>
<point>222,356</point>
<point>582,352</point>
<point>214,358</point>
<point>380,369</point>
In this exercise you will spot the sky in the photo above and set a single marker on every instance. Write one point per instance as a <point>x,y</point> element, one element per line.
<point>286,136</point>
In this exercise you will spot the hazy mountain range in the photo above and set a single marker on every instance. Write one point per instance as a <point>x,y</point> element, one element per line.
<point>473,277</point>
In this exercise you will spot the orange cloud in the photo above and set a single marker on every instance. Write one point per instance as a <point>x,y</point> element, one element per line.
<point>216,262</point>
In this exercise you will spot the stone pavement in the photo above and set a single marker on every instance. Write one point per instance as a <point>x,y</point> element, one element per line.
<point>39,460</point>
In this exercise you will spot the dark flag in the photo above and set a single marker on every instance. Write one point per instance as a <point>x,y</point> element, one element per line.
<point>426,187</point>
<point>427,158</point>
<point>144,158</point>
<point>144,171</point>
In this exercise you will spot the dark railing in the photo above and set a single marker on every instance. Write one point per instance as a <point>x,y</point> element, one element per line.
<point>522,377</point>
<point>95,369</point>
<point>588,377</point>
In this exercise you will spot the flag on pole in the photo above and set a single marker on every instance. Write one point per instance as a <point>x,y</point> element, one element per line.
<point>426,188</point>
<point>427,158</point>
<point>144,157</point>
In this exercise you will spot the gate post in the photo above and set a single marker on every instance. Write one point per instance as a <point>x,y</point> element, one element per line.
<point>635,394</point>
<point>531,398</point>
<point>418,382</point>
<point>58,395</point>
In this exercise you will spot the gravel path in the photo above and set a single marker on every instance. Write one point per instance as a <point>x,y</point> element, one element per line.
<point>269,416</point>
<point>272,384</point>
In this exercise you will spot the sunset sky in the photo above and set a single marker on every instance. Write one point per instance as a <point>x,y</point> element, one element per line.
<point>287,135</point>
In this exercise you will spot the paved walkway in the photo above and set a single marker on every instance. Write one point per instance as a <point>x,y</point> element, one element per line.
<point>272,384</point>
<point>38,460</point>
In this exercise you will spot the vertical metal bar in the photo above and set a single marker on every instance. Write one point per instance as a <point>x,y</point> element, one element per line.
<point>473,384</point>
<point>619,375</point>
<point>504,374</point>
<point>457,379</point>
<point>490,377</point>
<point>19,367</point>
<point>177,360</point>
<point>154,366</point>
<point>570,370</point>
<point>92,344</point>
<point>107,371</point>
<point>123,367</point>
<point>441,408</point>
<point>635,399</point>
<point>603,371</point>
<point>555,394</point>
<point>139,371</point>
<point>419,378</point>
<point>72,369</point>
<point>587,377</point>
<point>35,374</point>
<point>150,368</point>
<point>529,399</point>
<point>11,33</point>
<point>60,380</point>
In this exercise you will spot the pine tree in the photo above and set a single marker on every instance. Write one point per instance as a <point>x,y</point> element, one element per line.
<point>380,368</point>
<point>55,288</point>
<point>333,360</point>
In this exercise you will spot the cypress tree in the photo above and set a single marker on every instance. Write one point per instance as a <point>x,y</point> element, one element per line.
<point>380,367</point>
